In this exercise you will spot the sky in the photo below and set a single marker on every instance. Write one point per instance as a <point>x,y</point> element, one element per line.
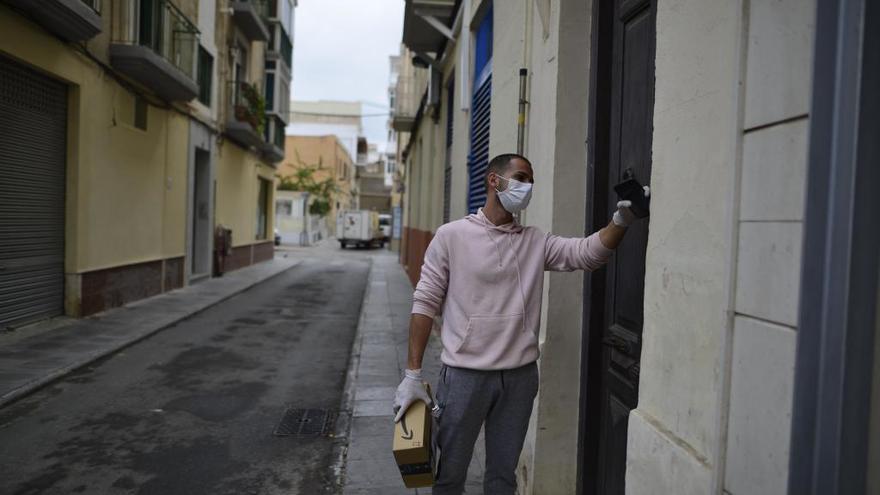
<point>341,50</point>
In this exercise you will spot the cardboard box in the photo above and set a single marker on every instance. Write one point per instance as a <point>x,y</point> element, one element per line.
<point>412,446</point>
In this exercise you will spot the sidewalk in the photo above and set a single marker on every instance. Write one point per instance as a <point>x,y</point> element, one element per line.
<point>379,358</point>
<point>33,357</point>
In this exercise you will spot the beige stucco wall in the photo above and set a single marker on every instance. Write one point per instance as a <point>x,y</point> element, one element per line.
<point>127,188</point>
<point>142,173</point>
<point>723,262</point>
<point>424,193</point>
<point>335,163</point>
<point>238,174</point>
<point>557,128</point>
<point>112,166</point>
<point>673,434</point>
<point>460,133</point>
<point>777,73</point>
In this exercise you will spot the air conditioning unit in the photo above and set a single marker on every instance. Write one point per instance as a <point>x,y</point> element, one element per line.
<point>435,89</point>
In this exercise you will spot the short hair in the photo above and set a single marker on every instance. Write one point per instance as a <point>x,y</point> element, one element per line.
<point>501,164</point>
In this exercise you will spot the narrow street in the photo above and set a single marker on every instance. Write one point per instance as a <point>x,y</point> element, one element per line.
<point>192,409</point>
<point>615,247</point>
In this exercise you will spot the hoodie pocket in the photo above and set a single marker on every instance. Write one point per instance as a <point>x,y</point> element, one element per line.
<point>491,331</point>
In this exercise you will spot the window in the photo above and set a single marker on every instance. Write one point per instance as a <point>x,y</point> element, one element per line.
<point>283,97</point>
<point>284,207</point>
<point>140,113</point>
<point>286,50</point>
<point>279,133</point>
<point>205,76</point>
<point>270,91</point>
<point>263,209</point>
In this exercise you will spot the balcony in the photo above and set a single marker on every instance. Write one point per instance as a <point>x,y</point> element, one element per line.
<point>406,103</point>
<point>246,117</point>
<point>280,47</point>
<point>154,44</point>
<point>250,17</point>
<point>426,24</point>
<point>273,146</point>
<point>73,20</point>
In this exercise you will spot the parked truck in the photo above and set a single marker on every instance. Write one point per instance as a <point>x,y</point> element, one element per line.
<point>385,226</point>
<point>359,228</point>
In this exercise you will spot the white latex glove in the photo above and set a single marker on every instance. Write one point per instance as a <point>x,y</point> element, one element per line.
<point>411,389</point>
<point>624,216</point>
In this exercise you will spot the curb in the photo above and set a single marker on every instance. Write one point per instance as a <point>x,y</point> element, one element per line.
<point>27,389</point>
<point>342,429</point>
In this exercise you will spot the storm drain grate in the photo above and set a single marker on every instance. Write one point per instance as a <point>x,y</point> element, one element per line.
<point>305,422</point>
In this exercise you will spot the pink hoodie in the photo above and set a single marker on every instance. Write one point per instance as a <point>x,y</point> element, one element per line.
<point>488,280</point>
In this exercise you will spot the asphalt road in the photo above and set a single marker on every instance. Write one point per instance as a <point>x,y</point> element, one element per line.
<point>192,410</point>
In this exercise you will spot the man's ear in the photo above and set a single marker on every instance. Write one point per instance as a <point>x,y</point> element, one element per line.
<point>493,181</point>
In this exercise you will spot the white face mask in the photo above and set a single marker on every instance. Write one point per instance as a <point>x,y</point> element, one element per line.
<point>517,195</point>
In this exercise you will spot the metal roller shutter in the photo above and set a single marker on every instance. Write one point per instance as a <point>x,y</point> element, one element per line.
<point>478,158</point>
<point>33,141</point>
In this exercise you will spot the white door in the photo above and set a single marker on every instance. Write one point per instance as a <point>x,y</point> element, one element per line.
<point>353,226</point>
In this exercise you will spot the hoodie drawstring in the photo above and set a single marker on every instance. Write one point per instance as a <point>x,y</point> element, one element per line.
<point>522,297</point>
<point>497,251</point>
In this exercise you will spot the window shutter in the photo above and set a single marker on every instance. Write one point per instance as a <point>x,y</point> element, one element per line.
<point>478,158</point>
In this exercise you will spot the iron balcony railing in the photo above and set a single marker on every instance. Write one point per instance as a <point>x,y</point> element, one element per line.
<point>280,45</point>
<point>160,26</point>
<point>246,104</point>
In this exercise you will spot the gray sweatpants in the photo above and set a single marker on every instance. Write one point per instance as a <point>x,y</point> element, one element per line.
<point>501,398</point>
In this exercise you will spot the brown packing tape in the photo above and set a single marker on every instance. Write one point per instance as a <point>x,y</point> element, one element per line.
<point>412,446</point>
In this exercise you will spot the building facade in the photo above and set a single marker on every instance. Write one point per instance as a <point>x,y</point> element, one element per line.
<point>328,117</point>
<point>672,369</point>
<point>131,130</point>
<point>373,192</point>
<point>332,161</point>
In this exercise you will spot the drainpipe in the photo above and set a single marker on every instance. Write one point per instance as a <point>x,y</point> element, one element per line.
<point>521,117</point>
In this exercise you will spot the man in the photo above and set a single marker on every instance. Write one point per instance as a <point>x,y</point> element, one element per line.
<point>485,273</point>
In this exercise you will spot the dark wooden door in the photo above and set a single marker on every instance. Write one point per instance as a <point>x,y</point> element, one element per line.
<point>620,147</point>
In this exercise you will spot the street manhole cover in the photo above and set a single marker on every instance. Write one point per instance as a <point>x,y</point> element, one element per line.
<point>305,422</point>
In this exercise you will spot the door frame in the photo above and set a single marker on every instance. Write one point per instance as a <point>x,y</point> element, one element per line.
<point>596,216</point>
<point>839,266</point>
<point>200,139</point>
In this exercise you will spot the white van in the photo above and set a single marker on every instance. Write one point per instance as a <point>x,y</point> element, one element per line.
<point>385,226</point>
<point>359,228</point>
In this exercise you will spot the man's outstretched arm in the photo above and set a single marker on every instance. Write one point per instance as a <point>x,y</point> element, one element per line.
<point>591,252</point>
<point>611,235</point>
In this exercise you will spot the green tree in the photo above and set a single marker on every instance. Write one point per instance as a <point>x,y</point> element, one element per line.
<point>303,179</point>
